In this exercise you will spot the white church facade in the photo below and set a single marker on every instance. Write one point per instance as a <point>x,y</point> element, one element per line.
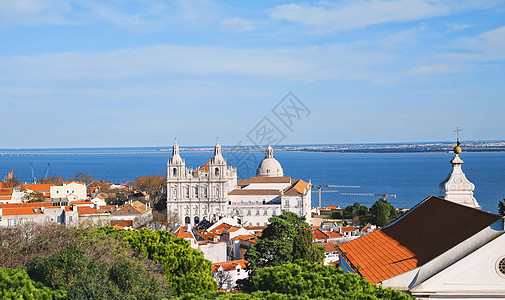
<point>213,191</point>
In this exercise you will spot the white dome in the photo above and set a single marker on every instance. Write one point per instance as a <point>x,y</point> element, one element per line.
<point>269,166</point>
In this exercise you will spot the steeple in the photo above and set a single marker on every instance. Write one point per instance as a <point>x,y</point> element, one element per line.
<point>218,156</point>
<point>176,158</point>
<point>269,152</point>
<point>456,187</point>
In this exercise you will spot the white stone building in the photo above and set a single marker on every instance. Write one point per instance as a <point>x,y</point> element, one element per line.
<point>213,191</point>
<point>73,191</point>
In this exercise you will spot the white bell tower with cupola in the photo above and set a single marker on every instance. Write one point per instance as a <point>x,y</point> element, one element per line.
<point>217,164</point>
<point>176,166</point>
<point>456,187</point>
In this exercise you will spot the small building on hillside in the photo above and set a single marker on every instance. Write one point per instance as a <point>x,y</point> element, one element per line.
<point>227,273</point>
<point>136,211</point>
<point>92,218</point>
<point>71,190</point>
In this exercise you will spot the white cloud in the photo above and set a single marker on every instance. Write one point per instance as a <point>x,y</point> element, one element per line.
<point>326,16</point>
<point>487,46</point>
<point>291,64</point>
<point>137,15</point>
<point>238,24</point>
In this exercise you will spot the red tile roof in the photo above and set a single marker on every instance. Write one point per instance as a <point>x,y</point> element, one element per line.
<point>229,265</point>
<point>86,210</point>
<point>184,233</point>
<point>347,229</point>
<point>428,230</point>
<point>37,187</point>
<point>21,205</point>
<point>299,187</point>
<point>122,223</point>
<point>20,211</point>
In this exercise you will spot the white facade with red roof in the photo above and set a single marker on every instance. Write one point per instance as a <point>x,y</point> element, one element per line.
<point>213,191</point>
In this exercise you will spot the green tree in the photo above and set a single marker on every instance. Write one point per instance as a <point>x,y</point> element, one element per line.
<point>355,210</point>
<point>309,281</point>
<point>16,284</point>
<point>287,238</point>
<point>382,212</point>
<point>94,269</point>
<point>154,185</point>
<point>501,207</point>
<point>185,268</point>
<point>336,215</point>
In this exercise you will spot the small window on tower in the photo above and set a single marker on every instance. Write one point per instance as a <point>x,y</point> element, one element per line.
<point>217,171</point>
<point>175,171</point>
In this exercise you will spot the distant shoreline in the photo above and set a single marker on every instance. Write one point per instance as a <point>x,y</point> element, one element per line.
<point>430,147</point>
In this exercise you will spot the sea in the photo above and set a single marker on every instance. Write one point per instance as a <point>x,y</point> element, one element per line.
<point>411,177</point>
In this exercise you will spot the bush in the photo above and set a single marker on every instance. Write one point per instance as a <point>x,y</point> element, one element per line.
<point>16,284</point>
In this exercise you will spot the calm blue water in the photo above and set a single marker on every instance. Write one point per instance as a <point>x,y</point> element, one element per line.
<point>411,176</point>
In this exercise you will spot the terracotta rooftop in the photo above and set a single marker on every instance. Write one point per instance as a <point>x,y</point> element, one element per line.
<point>347,229</point>
<point>20,211</point>
<point>299,187</point>
<point>122,223</point>
<point>37,187</point>
<point>246,192</point>
<point>21,205</point>
<point>136,208</point>
<point>428,230</point>
<point>86,210</point>
<point>328,247</point>
<point>229,265</point>
<point>183,232</point>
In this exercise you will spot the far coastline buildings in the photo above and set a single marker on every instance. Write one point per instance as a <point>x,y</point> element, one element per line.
<point>213,191</point>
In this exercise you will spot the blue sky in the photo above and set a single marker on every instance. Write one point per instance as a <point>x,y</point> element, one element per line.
<point>83,73</point>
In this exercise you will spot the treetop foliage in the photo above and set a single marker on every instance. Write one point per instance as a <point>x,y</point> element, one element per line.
<point>309,280</point>
<point>16,284</point>
<point>382,212</point>
<point>287,238</point>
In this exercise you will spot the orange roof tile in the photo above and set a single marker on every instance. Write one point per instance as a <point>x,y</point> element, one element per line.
<point>229,265</point>
<point>20,211</point>
<point>86,210</point>
<point>37,187</point>
<point>22,205</point>
<point>122,223</point>
<point>184,233</point>
<point>299,187</point>
<point>347,229</point>
<point>431,228</point>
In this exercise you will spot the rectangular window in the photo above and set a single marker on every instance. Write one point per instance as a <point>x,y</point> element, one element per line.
<point>265,212</point>
<point>257,212</point>
<point>205,192</point>
<point>187,192</point>
<point>196,192</point>
<point>248,212</point>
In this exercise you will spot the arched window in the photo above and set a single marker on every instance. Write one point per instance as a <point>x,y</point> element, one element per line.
<point>187,220</point>
<point>175,171</point>
<point>216,171</point>
<point>197,220</point>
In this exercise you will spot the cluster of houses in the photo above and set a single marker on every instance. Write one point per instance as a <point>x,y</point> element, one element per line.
<point>67,204</point>
<point>226,241</point>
